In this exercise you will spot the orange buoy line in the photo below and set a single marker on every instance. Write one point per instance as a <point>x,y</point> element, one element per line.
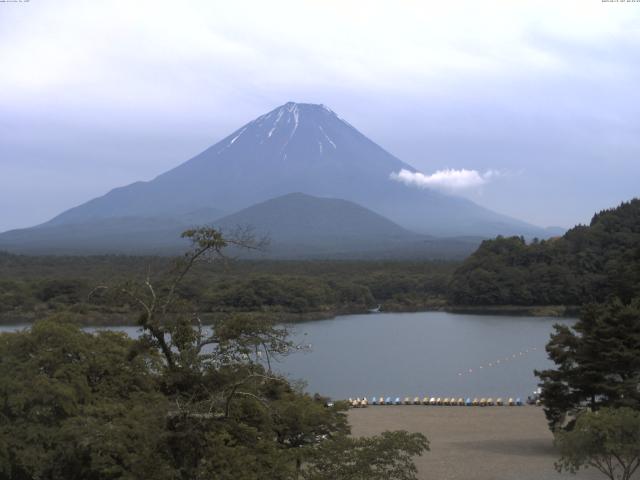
<point>498,362</point>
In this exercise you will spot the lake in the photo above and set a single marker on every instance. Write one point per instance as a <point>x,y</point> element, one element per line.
<point>417,354</point>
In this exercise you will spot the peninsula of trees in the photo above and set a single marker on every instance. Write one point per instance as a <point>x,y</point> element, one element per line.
<point>588,264</point>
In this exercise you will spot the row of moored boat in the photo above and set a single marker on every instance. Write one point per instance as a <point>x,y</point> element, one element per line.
<point>446,401</point>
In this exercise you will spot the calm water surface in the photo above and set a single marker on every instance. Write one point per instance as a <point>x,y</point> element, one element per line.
<point>417,354</point>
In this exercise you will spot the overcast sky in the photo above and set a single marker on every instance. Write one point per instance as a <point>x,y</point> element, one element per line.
<point>531,108</point>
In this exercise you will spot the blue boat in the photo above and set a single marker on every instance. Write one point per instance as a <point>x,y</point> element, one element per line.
<point>398,401</point>
<point>388,401</point>
<point>468,402</point>
<point>374,401</point>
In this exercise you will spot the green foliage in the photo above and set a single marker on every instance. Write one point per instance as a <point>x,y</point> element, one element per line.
<point>287,293</point>
<point>32,287</point>
<point>607,440</point>
<point>598,362</point>
<point>587,264</point>
<point>61,290</point>
<point>389,455</point>
<point>182,401</point>
<point>75,406</point>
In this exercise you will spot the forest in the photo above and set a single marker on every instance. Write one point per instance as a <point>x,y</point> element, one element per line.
<point>588,264</point>
<point>32,286</point>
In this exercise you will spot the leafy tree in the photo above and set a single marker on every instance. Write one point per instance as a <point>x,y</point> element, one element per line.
<point>75,406</point>
<point>389,455</point>
<point>183,401</point>
<point>598,362</point>
<point>607,440</point>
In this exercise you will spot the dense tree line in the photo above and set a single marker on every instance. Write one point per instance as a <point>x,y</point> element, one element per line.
<point>33,286</point>
<point>588,264</point>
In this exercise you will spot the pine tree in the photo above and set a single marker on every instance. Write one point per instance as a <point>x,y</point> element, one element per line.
<point>598,362</point>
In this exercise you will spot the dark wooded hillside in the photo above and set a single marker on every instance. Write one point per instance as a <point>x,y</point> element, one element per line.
<point>587,264</point>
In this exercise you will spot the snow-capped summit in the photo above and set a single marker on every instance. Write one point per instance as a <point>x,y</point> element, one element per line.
<point>280,126</point>
<point>297,147</point>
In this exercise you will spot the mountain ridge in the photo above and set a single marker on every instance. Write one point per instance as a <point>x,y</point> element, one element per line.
<point>297,147</point>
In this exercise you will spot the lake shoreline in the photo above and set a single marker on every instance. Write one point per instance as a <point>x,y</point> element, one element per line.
<point>102,319</point>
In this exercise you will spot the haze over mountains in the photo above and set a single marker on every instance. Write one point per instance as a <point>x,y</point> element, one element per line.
<point>346,200</point>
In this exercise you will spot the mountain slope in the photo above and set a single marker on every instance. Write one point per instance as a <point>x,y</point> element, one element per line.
<point>297,148</point>
<point>130,235</point>
<point>297,226</point>
<point>127,234</point>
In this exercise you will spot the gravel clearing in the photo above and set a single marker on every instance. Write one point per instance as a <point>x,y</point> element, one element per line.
<point>479,443</point>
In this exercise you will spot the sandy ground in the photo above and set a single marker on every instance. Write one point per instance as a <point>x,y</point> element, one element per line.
<point>479,443</point>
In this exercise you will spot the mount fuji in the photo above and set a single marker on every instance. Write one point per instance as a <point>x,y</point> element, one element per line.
<point>297,147</point>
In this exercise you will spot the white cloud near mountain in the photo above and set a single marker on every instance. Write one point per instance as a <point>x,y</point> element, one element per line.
<point>447,179</point>
<point>129,88</point>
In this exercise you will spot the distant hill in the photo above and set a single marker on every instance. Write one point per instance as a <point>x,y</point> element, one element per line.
<point>304,226</point>
<point>295,148</point>
<point>297,226</point>
<point>586,264</point>
<point>298,217</point>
